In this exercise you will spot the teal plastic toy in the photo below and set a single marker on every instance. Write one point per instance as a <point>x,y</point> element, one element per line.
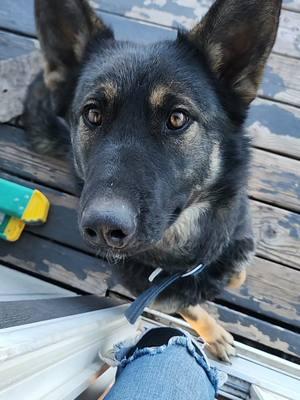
<point>20,205</point>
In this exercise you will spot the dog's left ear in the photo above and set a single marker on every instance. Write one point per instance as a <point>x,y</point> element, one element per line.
<point>65,27</point>
<point>236,36</point>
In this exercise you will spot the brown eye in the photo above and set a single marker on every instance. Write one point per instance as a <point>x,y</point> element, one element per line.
<point>177,120</point>
<point>92,116</point>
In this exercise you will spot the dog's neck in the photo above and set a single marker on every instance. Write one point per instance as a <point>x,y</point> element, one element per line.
<point>198,236</point>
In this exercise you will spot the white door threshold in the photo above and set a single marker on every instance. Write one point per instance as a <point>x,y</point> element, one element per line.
<point>57,359</point>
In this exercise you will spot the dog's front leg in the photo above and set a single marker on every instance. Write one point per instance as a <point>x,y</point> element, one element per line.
<point>237,279</point>
<point>220,342</point>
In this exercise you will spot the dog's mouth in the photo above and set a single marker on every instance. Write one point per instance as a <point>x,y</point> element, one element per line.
<point>113,255</point>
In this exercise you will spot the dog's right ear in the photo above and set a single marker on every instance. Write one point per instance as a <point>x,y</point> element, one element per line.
<point>236,37</point>
<point>64,29</point>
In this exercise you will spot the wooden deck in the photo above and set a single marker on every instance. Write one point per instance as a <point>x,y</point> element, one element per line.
<point>265,312</point>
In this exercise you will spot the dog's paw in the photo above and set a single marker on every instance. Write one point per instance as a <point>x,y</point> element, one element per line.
<point>221,344</point>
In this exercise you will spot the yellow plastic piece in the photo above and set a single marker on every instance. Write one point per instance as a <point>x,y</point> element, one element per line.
<point>14,229</point>
<point>37,209</point>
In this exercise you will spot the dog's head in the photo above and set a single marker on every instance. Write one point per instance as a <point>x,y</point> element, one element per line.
<point>155,129</point>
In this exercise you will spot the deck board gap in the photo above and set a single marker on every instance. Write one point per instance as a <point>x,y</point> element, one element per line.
<point>279,101</point>
<point>278,53</point>
<point>17,32</point>
<point>277,153</point>
<point>264,257</point>
<point>271,204</point>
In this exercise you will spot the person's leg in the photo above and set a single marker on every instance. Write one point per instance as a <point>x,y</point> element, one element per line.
<point>164,364</point>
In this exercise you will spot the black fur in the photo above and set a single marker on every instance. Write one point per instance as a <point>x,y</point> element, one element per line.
<point>134,157</point>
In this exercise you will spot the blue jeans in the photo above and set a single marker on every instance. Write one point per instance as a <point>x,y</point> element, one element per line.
<point>175,371</point>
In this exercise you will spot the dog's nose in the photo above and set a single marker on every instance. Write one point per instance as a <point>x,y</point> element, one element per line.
<point>112,224</point>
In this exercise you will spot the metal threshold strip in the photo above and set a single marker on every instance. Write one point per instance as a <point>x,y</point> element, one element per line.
<point>49,348</point>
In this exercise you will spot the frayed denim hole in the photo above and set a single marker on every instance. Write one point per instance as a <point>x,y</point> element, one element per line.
<point>183,341</point>
<point>211,372</point>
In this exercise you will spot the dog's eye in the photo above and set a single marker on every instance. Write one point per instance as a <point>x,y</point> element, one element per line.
<point>177,120</point>
<point>92,116</point>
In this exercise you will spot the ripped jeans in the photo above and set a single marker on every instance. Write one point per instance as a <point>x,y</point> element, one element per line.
<point>178,370</point>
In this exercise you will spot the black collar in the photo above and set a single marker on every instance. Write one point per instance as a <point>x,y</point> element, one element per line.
<point>158,286</point>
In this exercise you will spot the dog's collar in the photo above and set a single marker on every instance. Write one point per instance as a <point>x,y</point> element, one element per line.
<point>158,286</point>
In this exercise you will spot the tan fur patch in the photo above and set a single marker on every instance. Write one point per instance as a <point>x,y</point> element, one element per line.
<point>53,77</point>
<point>215,55</point>
<point>192,132</point>
<point>219,340</point>
<point>199,319</point>
<point>214,165</point>
<point>237,280</point>
<point>188,221</point>
<point>110,91</point>
<point>80,43</point>
<point>158,95</point>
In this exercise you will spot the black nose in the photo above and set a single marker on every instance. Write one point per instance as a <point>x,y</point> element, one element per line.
<point>113,224</point>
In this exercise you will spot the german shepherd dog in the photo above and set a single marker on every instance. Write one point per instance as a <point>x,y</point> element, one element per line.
<point>157,137</point>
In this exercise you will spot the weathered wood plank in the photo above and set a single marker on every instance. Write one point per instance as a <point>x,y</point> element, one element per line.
<point>278,234</point>
<point>17,157</point>
<point>288,37</point>
<point>275,126</point>
<point>275,179</point>
<point>281,80</point>
<point>20,61</point>
<point>270,289</point>
<point>186,14</point>
<point>57,262</point>
<point>17,15</point>
<point>292,5</point>
<point>255,330</point>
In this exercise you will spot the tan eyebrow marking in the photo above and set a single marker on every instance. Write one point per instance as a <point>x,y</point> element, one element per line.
<point>110,90</point>
<point>160,92</point>
<point>158,95</point>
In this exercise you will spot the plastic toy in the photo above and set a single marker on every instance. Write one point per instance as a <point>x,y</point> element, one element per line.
<point>10,227</point>
<point>20,205</point>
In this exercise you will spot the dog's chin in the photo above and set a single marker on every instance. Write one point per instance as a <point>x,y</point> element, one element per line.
<point>115,256</point>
